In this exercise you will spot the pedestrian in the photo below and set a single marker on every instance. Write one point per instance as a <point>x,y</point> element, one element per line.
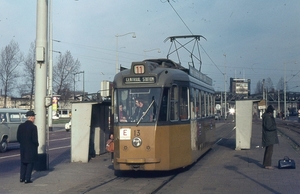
<point>27,136</point>
<point>122,114</point>
<point>110,146</point>
<point>269,136</point>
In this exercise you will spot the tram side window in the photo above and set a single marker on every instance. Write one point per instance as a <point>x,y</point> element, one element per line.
<point>205,104</point>
<point>184,104</point>
<point>164,106</point>
<point>197,104</point>
<point>208,105</point>
<point>174,112</point>
<point>193,103</point>
<point>202,104</point>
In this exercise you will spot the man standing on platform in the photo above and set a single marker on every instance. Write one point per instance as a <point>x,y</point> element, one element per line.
<point>269,136</point>
<point>27,136</point>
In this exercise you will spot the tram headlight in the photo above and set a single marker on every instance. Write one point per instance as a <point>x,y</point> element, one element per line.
<point>136,142</point>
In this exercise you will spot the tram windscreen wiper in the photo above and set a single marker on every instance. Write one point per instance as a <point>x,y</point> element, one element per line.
<point>147,110</point>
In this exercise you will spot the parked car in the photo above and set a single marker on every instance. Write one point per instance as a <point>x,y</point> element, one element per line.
<point>217,117</point>
<point>68,126</point>
<point>11,118</point>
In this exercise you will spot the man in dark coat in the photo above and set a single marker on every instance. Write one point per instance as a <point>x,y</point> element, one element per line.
<point>140,110</point>
<point>27,136</point>
<point>269,136</point>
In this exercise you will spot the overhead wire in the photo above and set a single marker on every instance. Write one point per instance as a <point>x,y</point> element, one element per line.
<point>193,34</point>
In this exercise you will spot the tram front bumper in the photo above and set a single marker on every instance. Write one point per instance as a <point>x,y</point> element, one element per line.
<point>137,160</point>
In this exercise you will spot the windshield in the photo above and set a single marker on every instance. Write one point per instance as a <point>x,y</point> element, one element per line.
<point>138,105</point>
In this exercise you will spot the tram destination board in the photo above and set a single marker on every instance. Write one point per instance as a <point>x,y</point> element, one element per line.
<point>140,79</point>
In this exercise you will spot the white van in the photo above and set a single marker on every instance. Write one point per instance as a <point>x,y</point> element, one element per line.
<point>10,119</point>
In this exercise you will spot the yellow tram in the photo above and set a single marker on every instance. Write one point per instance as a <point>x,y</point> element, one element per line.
<point>163,116</point>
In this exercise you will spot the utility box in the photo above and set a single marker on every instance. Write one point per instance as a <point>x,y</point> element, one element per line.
<point>80,132</point>
<point>243,119</point>
<point>90,130</point>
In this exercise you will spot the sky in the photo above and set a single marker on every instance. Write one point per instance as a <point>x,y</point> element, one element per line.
<point>250,39</point>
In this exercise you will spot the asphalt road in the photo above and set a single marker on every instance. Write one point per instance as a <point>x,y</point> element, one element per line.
<point>58,149</point>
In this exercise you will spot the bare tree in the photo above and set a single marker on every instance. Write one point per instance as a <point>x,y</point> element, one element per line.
<point>63,75</point>
<point>259,86</point>
<point>29,74</point>
<point>269,85</point>
<point>11,58</point>
<point>280,84</point>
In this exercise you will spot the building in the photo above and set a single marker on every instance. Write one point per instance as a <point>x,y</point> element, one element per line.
<point>240,87</point>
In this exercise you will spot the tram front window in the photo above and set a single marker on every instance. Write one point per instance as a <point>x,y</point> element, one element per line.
<point>137,104</point>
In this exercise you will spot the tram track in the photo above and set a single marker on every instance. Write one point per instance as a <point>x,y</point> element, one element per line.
<point>141,181</point>
<point>291,131</point>
<point>133,183</point>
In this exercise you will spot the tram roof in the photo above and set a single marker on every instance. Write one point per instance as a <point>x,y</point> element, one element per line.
<point>167,63</point>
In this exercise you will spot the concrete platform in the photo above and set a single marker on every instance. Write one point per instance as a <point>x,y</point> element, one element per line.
<point>223,170</point>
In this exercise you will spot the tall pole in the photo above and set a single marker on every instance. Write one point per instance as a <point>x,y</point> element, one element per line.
<point>221,103</point>
<point>225,90</point>
<point>285,112</point>
<point>117,55</point>
<point>83,86</point>
<point>41,84</point>
<point>50,71</point>
<point>74,85</point>
<point>278,103</point>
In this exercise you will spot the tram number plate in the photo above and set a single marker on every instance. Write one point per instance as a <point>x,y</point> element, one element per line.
<point>125,134</point>
<point>139,69</point>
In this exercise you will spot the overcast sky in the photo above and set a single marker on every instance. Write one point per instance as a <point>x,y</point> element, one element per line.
<point>253,39</point>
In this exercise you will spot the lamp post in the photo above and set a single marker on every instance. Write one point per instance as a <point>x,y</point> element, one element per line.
<point>225,117</point>
<point>75,84</point>
<point>158,50</point>
<point>284,92</point>
<point>117,49</point>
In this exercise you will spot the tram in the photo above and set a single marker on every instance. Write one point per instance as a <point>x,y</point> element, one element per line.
<point>163,116</point>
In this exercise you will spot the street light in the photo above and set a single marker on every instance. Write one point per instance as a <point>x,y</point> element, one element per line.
<point>225,117</point>
<point>117,49</point>
<point>75,84</point>
<point>158,50</point>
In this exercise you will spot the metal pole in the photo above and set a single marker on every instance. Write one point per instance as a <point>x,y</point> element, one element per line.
<point>83,87</point>
<point>225,90</point>
<point>74,86</point>
<point>285,112</point>
<point>41,84</point>
<point>221,103</point>
<point>50,71</point>
<point>278,103</point>
<point>117,55</point>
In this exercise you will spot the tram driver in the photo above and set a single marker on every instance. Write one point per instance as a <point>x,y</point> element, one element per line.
<point>139,111</point>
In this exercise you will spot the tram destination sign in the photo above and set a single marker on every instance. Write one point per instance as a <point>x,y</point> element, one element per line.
<point>140,79</point>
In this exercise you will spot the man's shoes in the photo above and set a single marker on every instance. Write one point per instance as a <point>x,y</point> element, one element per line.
<point>269,167</point>
<point>21,180</point>
<point>27,181</point>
